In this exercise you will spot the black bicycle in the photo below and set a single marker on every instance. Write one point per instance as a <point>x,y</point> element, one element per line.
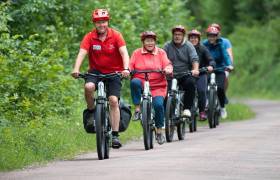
<point>214,107</point>
<point>102,118</point>
<point>174,107</point>
<point>147,119</point>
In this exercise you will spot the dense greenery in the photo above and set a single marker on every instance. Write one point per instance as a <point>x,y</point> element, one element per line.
<point>41,105</point>
<point>253,28</point>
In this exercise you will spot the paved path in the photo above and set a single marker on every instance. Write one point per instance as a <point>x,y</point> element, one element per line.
<point>240,150</point>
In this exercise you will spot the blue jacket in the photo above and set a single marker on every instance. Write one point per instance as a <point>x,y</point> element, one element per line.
<point>219,54</point>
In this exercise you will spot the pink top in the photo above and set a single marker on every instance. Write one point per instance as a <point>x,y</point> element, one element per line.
<point>157,60</point>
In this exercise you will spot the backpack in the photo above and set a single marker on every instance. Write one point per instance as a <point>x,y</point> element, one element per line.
<point>89,123</point>
<point>125,116</point>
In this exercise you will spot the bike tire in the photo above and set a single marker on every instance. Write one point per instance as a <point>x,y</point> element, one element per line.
<point>146,115</point>
<point>169,116</point>
<point>211,108</point>
<point>100,131</point>
<point>107,137</point>
<point>181,130</point>
<point>217,113</point>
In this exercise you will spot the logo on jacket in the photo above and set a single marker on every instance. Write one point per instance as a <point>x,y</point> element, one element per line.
<point>96,47</point>
<point>111,46</point>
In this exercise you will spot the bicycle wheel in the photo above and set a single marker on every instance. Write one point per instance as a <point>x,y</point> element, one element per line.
<point>181,130</point>
<point>108,136</point>
<point>146,118</point>
<point>169,119</point>
<point>211,108</point>
<point>217,112</point>
<point>100,131</point>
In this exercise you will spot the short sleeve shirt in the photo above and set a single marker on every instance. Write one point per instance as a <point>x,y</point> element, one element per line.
<point>104,56</point>
<point>226,43</point>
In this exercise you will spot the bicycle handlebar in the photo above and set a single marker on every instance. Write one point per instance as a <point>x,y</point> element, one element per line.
<point>145,71</point>
<point>104,76</point>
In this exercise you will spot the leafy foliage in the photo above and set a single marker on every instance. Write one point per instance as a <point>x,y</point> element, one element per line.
<point>39,41</point>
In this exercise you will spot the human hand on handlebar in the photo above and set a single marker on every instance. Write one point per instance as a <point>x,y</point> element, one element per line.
<point>195,72</point>
<point>210,68</point>
<point>168,70</point>
<point>75,74</point>
<point>125,73</point>
<point>229,68</point>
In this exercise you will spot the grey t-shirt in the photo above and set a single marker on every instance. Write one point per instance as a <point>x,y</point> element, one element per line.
<point>181,57</point>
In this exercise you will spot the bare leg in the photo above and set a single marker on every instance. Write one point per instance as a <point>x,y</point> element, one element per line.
<point>226,83</point>
<point>89,89</point>
<point>137,108</point>
<point>114,112</point>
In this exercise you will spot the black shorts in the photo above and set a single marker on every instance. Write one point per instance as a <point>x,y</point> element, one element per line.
<point>113,87</point>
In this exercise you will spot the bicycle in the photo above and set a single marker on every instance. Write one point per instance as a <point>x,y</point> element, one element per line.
<point>174,107</point>
<point>147,120</point>
<point>102,118</point>
<point>214,108</point>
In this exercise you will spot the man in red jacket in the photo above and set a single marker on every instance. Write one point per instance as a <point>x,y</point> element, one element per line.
<point>107,53</point>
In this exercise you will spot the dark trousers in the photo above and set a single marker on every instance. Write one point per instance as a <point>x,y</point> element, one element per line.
<point>188,84</point>
<point>220,80</point>
<point>201,84</point>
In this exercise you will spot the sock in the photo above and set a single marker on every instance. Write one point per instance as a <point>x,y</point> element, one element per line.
<point>115,133</point>
<point>90,110</point>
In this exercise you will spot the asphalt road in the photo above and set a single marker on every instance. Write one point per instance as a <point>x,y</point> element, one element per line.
<point>240,150</point>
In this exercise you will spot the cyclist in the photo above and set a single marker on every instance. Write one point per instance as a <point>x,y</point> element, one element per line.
<point>228,46</point>
<point>184,58</point>
<point>222,59</point>
<point>205,60</point>
<point>150,57</point>
<point>107,53</point>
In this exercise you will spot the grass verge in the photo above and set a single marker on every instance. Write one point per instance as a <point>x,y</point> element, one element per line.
<point>236,112</point>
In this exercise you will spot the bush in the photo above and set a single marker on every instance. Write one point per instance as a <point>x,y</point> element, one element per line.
<point>256,52</point>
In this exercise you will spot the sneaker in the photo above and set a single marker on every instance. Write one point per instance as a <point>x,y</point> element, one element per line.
<point>116,144</point>
<point>202,116</point>
<point>160,138</point>
<point>137,116</point>
<point>223,113</point>
<point>186,113</point>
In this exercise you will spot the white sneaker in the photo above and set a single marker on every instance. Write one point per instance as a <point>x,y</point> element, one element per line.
<point>223,113</point>
<point>186,113</point>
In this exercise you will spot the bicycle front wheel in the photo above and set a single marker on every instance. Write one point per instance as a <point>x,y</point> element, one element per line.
<point>212,108</point>
<point>146,119</point>
<point>100,131</point>
<point>169,119</point>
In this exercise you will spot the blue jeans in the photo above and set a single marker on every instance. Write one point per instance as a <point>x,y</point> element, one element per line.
<point>158,101</point>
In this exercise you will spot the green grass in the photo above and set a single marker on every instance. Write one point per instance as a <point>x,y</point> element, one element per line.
<point>39,143</point>
<point>236,112</point>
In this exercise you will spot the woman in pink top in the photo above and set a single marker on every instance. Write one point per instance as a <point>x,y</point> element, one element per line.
<point>150,57</point>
